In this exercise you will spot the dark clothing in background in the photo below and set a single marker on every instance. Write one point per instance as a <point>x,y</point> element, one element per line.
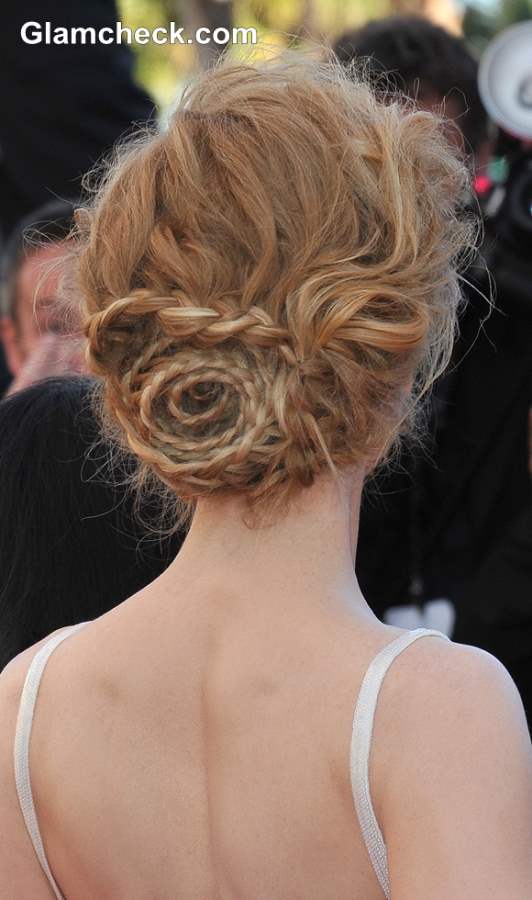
<point>73,543</point>
<point>5,375</point>
<point>460,527</point>
<point>63,106</point>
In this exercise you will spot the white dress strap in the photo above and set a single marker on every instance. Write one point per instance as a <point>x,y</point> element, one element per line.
<point>22,746</point>
<point>361,744</point>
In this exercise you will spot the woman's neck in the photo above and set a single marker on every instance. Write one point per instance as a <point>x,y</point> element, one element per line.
<point>307,554</point>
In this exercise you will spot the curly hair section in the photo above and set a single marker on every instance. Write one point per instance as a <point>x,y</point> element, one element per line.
<point>263,278</point>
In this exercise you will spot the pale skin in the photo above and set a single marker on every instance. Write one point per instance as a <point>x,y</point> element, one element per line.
<point>194,741</point>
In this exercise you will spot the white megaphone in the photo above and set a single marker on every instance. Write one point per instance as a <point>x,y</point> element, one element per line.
<point>505,80</point>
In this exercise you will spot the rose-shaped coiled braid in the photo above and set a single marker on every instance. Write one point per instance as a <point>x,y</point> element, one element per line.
<point>196,418</point>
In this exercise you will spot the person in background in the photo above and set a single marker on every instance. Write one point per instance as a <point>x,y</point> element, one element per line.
<point>64,106</point>
<point>72,545</point>
<point>453,523</point>
<point>63,109</point>
<point>34,324</point>
<point>412,55</point>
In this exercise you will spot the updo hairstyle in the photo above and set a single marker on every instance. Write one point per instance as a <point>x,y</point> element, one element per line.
<point>264,278</point>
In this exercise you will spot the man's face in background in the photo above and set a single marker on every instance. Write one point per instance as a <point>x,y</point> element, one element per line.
<point>34,311</point>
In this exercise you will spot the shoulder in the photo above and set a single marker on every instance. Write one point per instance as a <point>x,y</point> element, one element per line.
<point>12,681</point>
<point>13,675</point>
<point>449,698</point>
<point>457,774</point>
<point>20,873</point>
<point>447,680</point>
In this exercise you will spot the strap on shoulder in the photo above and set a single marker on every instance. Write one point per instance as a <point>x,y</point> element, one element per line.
<point>22,745</point>
<point>361,744</point>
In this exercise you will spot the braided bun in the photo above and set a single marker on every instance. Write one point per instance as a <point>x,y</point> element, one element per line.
<point>263,278</point>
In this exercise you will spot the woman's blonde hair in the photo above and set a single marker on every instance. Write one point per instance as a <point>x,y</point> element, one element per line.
<point>262,279</point>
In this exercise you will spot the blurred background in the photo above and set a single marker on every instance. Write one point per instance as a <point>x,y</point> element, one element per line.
<point>160,68</point>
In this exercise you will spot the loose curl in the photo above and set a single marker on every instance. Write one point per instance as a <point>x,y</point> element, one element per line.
<point>263,278</point>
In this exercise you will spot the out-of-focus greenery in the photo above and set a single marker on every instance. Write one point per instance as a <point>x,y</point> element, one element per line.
<point>481,25</point>
<point>160,67</point>
<point>316,18</point>
<point>164,68</point>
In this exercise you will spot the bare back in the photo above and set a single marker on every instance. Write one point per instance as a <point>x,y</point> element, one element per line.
<point>208,755</point>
